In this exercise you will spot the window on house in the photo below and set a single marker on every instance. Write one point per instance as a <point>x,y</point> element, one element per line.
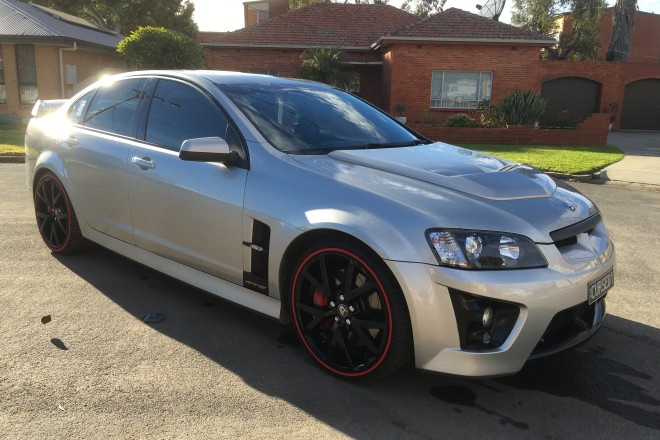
<point>3,92</point>
<point>27,73</point>
<point>457,89</point>
<point>257,12</point>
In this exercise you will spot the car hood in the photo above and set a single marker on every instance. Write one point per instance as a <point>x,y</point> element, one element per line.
<point>455,187</point>
<point>456,168</point>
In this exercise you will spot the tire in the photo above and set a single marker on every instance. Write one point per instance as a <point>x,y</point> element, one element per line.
<point>362,332</point>
<point>56,219</point>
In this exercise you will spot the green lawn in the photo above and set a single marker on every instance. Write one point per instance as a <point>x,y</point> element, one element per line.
<point>11,140</point>
<point>554,158</point>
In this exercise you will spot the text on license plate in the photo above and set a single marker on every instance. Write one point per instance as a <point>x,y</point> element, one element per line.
<point>596,289</point>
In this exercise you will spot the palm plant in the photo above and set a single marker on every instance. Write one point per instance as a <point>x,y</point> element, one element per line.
<point>326,65</point>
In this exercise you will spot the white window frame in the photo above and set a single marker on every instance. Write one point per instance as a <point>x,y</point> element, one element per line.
<point>452,103</point>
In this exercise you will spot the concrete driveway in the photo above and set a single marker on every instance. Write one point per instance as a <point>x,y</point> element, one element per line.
<point>642,161</point>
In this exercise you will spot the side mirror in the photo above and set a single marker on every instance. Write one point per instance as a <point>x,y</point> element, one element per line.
<point>209,149</point>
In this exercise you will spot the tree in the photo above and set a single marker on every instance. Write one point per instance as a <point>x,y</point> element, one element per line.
<point>159,48</point>
<point>295,4</point>
<point>125,16</point>
<point>536,15</point>
<point>580,39</point>
<point>623,22</point>
<point>423,8</point>
<point>326,65</point>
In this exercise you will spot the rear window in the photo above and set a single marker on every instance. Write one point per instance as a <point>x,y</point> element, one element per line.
<point>114,106</point>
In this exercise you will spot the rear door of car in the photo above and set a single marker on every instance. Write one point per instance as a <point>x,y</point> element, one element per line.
<point>104,123</point>
<point>190,212</point>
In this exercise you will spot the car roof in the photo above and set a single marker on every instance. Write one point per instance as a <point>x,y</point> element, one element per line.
<point>225,77</point>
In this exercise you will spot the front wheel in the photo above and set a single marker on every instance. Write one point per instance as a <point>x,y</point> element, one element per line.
<point>56,219</point>
<point>349,311</point>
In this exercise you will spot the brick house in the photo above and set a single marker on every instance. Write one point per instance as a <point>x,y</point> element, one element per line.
<point>47,54</point>
<point>443,64</point>
<point>632,88</point>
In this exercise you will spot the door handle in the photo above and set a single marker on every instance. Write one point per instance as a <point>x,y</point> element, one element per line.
<point>143,162</point>
<point>70,141</point>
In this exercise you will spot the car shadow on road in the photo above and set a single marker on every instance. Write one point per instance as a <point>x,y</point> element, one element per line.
<point>267,356</point>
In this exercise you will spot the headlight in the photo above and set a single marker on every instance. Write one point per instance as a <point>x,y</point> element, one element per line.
<point>468,249</point>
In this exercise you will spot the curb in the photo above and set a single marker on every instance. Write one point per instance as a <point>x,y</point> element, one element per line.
<point>584,178</point>
<point>12,159</point>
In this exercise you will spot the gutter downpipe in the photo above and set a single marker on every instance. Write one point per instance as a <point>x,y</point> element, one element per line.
<point>62,49</point>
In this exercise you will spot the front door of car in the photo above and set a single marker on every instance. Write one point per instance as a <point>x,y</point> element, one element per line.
<point>189,212</point>
<point>103,126</point>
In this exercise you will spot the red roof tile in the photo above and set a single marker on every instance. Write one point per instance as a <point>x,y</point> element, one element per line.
<point>322,24</point>
<point>361,25</point>
<point>462,25</point>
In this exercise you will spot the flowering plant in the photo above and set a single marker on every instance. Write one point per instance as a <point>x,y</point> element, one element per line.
<point>611,108</point>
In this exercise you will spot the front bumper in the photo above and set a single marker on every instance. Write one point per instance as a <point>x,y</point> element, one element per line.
<point>542,295</point>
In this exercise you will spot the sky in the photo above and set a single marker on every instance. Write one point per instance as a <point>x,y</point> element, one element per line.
<point>227,15</point>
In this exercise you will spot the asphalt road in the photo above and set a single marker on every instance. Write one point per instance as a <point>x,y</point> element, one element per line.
<point>213,370</point>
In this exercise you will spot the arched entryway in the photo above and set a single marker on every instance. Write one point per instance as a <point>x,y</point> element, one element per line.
<point>581,96</point>
<point>641,105</point>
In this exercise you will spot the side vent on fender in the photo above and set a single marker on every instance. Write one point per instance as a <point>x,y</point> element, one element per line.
<point>257,278</point>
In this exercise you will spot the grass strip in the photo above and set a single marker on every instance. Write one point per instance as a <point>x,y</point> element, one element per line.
<point>573,159</point>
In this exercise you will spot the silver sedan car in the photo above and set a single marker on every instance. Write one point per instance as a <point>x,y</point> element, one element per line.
<point>309,205</point>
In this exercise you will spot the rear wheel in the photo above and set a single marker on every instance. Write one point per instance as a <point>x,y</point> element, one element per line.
<point>349,311</point>
<point>56,219</point>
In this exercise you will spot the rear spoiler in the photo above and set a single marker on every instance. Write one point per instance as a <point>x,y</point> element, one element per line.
<point>42,108</point>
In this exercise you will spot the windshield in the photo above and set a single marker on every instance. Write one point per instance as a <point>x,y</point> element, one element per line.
<point>311,119</point>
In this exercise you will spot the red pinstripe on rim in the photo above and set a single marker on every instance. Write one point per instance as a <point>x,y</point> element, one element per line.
<point>380,288</point>
<point>68,207</point>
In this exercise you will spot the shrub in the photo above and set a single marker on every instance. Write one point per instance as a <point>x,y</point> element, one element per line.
<point>490,116</point>
<point>611,108</point>
<point>460,120</point>
<point>158,48</point>
<point>522,108</point>
<point>327,65</point>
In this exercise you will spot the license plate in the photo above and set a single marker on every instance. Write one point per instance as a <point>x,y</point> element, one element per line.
<point>596,289</point>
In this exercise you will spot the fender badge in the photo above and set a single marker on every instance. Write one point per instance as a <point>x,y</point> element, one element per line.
<point>569,207</point>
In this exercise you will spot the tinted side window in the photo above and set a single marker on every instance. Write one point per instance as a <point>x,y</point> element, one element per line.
<point>79,109</point>
<point>179,112</point>
<point>114,106</point>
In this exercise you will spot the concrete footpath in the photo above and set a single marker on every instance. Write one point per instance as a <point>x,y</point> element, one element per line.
<point>641,163</point>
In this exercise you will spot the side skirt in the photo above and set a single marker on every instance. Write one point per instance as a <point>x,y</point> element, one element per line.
<point>224,289</point>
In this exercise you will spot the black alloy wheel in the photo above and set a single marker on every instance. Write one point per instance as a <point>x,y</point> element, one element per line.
<point>56,219</point>
<point>349,312</point>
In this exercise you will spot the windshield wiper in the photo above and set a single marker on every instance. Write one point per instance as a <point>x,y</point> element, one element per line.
<point>372,145</point>
<point>369,146</point>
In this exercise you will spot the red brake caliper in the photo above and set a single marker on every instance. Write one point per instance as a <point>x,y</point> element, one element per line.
<point>320,300</point>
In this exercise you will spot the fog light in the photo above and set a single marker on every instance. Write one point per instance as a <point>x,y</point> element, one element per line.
<point>487,318</point>
<point>482,323</point>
